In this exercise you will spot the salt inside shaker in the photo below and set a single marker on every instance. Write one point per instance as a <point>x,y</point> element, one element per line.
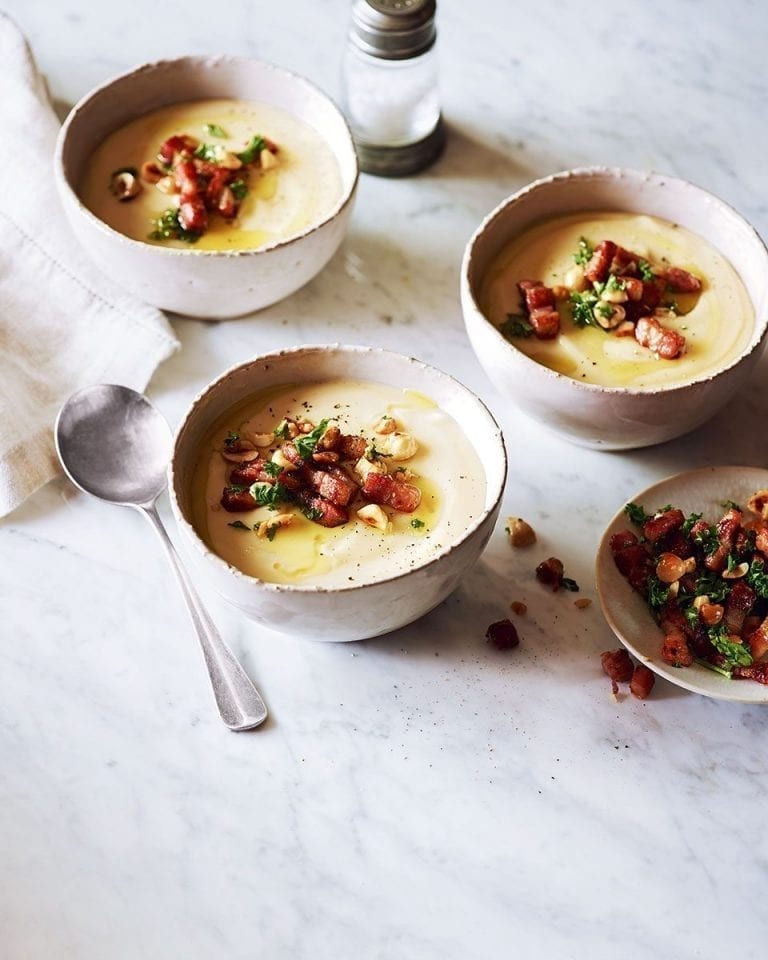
<point>390,86</point>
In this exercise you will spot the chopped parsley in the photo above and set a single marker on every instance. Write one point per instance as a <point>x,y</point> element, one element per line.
<point>231,438</point>
<point>239,525</point>
<point>417,524</point>
<point>306,444</point>
<point>281,430</point>
<point>736,654</point>
<point>516,325</point>
<point>256,144</point>
<point>207,151</point>
<point>214,130</point>
<point>167,227</point>
<point>757,578</point>
<point>268,494</point>
<point>713,586</point>
<point>582,305</point>
<point>636,514</point>
<point>584,254</point>
<point>689,522</point>
<point>730,505</point>
<point>239,188</point>
<point>658,592</point>
<point>646,272</point>
<point>707,539</point>
<point>312,513</point>
<point>273,469</point>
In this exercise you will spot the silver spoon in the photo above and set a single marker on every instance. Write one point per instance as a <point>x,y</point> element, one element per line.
<point>115,445</point>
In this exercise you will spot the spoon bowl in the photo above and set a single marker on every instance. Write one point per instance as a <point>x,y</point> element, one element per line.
<point>114,445</point>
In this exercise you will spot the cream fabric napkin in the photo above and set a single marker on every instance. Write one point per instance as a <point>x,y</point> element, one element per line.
<point>62,324</point>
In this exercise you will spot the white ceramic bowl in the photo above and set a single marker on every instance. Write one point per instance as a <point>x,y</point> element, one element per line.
<point>612,418</point>
<point>361,610</point>
<point>203,283</point>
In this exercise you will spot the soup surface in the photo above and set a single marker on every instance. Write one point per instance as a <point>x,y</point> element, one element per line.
<point>431,454</point>
<point>299,190</point>
<point>716,322</point>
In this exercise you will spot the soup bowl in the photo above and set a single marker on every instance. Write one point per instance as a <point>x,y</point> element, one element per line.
<point>589,414</point>
<point>204,283</point>
<point>349,610</point>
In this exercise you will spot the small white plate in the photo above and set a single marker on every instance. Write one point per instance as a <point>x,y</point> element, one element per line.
<point>700,491</point>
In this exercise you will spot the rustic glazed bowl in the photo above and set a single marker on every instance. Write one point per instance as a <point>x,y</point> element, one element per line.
<point>612,418</point>
<point>361,610</point>
<point>203,283</point>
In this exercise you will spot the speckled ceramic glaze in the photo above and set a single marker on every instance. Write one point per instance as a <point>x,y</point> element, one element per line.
<point>364,610</point>
<point>203,283</point>
<point>612,418</point>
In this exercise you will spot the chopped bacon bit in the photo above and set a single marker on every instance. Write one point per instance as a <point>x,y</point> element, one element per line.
<point>192,215</point>
<point>332,484</point>
<point>503,635</point>
<point>351,447</point>
<point>617,664</point>
<point>675,650</point>
<point>758,640</point>
<point>727,530</point>
<point>642,682</point>
<point>667,344</point>
<point>383,489</point>
<point>236,501</point>
<point>324,512</point>
<point>740,601</point>
<point>680,281</point>
<point>662,525</point>
<point>755,671</point>
<point>539,301</point>
<point>185,175</point>
<point>600,262</point>
<point>181,144</point>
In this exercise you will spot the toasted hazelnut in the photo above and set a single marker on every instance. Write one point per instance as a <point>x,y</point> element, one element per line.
<point>373,516</point>
<point>518,607</point>
<point>125,184</point>
<point>521,534</point>
<point>758,504</point>
<point>385,425</point>
<point>397,446</point>
<point>274,523</point>
<point>364,466</point>
<point>739,571</point>
<point>267,159</point>
<point>582,603</point>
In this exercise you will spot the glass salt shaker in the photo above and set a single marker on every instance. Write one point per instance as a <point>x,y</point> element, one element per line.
<point>390,86</point>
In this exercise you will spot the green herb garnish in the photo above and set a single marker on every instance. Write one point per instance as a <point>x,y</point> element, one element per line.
<point>516,325</point>
<point>312,513</point>
<point>253,149</point>
<point>707,539</point>
<point>636,514</point>
<point>231,438</point>
<point>307,443</point>
<point>569,584</point>
<point>757,578</point>
<point>736,654</point>
<point>239,525</point>
<point>214,130</point>
<point>730,505</point>
<point>584,254</point>
<point>658,592</point>
<point>712,586</point>
<point>417,524</point>
<point>239,188</point>
<point>167,227</point>
<point>582,305</point>
<point>646,272</point>
<point>268,494</point>
<point>281,430</point>
<point>689,522</point>
<point>207,151</point>
<point>273,469</point>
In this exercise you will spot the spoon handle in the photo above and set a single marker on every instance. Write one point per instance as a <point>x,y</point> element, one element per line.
<point>239,702</point>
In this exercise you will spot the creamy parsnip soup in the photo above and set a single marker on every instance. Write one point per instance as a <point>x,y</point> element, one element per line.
<point>620,300</point>
<point>335,483</point>
<point>213,175</point>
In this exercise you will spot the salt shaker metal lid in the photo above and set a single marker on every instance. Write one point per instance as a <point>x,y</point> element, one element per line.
<point>393,29</point>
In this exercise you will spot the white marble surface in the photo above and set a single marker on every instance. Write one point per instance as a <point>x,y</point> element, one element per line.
<point>417,796</point>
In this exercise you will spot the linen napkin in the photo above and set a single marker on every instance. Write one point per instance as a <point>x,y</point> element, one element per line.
<point>62,324</point>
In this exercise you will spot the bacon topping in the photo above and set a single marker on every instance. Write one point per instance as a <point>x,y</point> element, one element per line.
<point>383,489</point>
<point>662,341</point>
<point>539,302</point>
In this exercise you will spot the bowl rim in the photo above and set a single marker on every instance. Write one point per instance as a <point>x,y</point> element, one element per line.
<point>493,497</point>
<point>84,102</point>
<point>611,173</point>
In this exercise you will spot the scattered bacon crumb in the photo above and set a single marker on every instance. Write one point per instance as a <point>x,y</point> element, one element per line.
<point>642,682</point>
<point>550,572</point>
<point>617,665</point>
